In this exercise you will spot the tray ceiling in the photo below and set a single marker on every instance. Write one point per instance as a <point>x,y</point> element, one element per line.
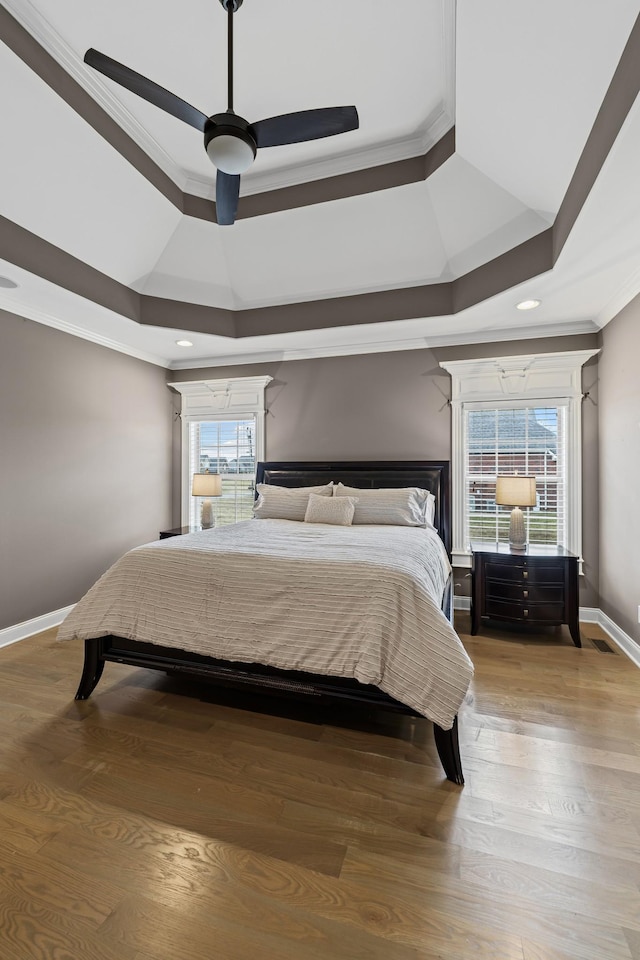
<point>504,96</point>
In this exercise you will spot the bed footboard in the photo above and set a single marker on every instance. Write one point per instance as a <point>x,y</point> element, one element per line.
<point>255,678</point>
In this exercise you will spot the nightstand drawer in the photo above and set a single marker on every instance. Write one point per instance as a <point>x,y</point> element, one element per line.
<point>504,571</point>
<point>525,591</point>
<point>547,572</point>
<point>525,612</point>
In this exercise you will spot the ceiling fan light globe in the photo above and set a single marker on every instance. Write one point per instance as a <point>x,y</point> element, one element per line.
<point>230,153</point>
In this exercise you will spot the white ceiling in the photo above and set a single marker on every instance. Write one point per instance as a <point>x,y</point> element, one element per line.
<point>522,82</point>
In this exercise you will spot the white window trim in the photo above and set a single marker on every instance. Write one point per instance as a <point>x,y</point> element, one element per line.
<point>234,399</point>
<point>552,377</point>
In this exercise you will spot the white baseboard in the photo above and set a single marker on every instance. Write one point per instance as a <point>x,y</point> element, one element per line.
<point>626,643</point>
<point>20,631</point>
<point>587,615</point>
<point>590,615</point>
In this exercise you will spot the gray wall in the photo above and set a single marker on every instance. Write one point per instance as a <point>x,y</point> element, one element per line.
<point>619,405</point>
<point>90,447</point>
<point>394,406</point>
<point>85,464</point>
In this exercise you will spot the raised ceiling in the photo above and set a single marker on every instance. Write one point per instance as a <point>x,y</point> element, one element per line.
<point>484,171</point>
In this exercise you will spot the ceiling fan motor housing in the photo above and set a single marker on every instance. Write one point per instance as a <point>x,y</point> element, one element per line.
<point>230,145</point>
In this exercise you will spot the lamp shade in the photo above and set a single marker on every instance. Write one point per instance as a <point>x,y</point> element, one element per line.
<point>516,491</point>
<point>206,485</point>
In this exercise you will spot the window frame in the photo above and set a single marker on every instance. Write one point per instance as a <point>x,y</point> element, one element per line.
<point>236,398</point>
<point>552,378</point>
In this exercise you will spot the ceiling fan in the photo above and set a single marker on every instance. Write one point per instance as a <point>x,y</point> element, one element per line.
<point>231,141</point>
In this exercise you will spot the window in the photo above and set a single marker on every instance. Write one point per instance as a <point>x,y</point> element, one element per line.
<point>223,432</point>
<point>226,447</point>
<point>517,414</point>
<point>508,439</point>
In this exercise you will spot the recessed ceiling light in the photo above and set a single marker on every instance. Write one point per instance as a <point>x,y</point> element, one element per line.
<point>528,304</point>
<point>7,283</point>
<point>184,343</point>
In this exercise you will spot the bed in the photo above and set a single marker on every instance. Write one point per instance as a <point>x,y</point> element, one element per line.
<point>358,613</point>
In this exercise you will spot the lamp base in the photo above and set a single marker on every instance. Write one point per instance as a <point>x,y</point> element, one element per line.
<point>207,519</point>
<point>517,533</point>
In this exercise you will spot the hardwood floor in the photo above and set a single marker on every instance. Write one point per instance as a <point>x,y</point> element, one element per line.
<point>158,821</point>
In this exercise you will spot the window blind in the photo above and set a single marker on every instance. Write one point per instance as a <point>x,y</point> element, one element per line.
<point>528,440</point>
<point>226,447</point>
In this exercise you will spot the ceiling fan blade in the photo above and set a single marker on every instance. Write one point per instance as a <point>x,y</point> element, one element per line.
<point>146,89</point>
<point>304,125</point>
<point>227,193</point>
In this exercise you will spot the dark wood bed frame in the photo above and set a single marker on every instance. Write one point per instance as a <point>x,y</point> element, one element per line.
<point>432,475</point>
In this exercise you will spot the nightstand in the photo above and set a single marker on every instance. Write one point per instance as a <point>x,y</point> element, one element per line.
<point>179,531</point>
<point>538,585</point>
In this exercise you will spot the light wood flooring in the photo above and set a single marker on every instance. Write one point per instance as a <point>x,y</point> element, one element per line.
<point>156,822</point>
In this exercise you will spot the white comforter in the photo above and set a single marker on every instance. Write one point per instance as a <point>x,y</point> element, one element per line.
<point>359,601</point>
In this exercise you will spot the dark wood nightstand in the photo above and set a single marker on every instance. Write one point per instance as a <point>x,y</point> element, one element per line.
<point>179,531</point>
<point>538,585</point>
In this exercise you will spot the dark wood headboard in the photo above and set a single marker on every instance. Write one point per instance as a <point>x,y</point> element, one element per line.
<point>431,475</point>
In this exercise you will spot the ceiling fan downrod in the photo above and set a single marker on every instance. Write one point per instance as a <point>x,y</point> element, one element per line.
<point>229,143</point>
<point>230,12</point>
<point>231,6</point>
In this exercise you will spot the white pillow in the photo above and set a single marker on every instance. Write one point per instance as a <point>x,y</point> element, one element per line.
<point>285,503</point>
<point>430,512</point>
<point>336,510</point>
<point>401,506</point>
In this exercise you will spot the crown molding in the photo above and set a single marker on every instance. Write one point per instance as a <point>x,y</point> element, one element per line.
<point>49,320</point>
<point>387,346</point>
<point>303,353</point>
<point>624,295</point>
<point>196,186</point>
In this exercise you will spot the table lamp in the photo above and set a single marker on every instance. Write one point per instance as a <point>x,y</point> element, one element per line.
<point>516,491</point>
<point>207,485</point>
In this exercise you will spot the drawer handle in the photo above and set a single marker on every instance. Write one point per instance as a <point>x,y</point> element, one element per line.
<point>526,613</point>
<point>525,594</point>
<point>525,574</point>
